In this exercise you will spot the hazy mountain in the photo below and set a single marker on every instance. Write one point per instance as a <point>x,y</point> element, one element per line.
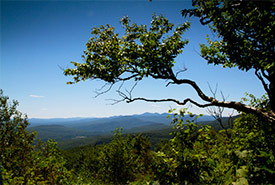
<point>148,128</point>
<point>59,132</point>
<point>86,122</point>
<point>59,121</point>
<point>70,128</point>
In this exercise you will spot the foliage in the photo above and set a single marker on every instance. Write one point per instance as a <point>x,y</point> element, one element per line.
<point>126,159</point>
<point>244,32</point>
<point>21,161</point>
<point>245,37</point>
<point>195,154</point>
<point>16,143</point>
<point>114,161</point>
<point>201,155</point>
<point>141,52</point>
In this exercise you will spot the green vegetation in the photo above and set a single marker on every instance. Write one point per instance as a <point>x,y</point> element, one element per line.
<point>57,132</point>
<point>153,132</point>
<point>69,137</point>
<point>241,153</point>
<point>244,39</point>
<point>22,162</point>
<point>193,154</point>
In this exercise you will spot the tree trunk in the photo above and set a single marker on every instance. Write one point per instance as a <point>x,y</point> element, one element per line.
<point>272,93</point>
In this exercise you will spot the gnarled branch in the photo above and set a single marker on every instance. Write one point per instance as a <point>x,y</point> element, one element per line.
<point>211,100</point>
<point>227,104</point>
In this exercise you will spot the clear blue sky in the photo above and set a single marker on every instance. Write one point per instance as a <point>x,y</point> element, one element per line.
<point>38,37</point>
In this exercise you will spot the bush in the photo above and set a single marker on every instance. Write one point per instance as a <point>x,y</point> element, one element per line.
<point>21,161</point>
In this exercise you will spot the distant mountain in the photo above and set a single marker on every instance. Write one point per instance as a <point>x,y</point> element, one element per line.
<point>59,132</point>
<point>162,118</point>
<point>86,122</point>
<point>76,128</point>
<point>148,128</point>
<point>156,132</point>
<point>59,121</point>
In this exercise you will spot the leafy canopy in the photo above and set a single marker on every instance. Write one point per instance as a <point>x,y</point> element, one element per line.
<point>244,29</point>
<point>140,52</point>
<point>245,37</point>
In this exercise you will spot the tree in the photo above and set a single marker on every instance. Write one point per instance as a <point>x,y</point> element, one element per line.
<point>245,37</point>
<point>21,161</point>
<point>150,52</point>
<point>15,141</point>
<point>114,160</point>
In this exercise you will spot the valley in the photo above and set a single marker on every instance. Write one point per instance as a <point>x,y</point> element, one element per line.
<point>75,132</point>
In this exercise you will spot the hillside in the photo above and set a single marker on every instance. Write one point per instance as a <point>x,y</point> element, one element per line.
<point>74,128</point>
<point>93,131</point>
<point>59,132</point>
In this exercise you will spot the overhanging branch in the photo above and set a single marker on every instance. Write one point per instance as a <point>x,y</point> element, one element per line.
<point>129,100</point>
<point>211,101</point>
<point>227,104</point>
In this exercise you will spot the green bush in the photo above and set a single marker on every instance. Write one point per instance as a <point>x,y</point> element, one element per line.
<point>23,162</point>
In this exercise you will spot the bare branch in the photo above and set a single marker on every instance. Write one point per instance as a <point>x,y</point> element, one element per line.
<point>100,91</point>
<point>122,94</point>
<point>129,100</point>
<point>169,83</point>
<point>226,104</point>
<point>230,119</point>
<point>130,92</point>
<point>211,101</point>
<point>121,86</point>
<point>115,101</point>
<point>211,90</point>
<point>181,71</point>
<point>217,112</point>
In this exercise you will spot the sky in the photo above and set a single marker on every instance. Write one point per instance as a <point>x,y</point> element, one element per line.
<point>40,38</point>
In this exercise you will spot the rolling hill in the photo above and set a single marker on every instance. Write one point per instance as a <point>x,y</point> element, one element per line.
<point>75,131</point>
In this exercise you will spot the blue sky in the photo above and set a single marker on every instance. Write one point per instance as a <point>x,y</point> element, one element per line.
<point>37,38</point>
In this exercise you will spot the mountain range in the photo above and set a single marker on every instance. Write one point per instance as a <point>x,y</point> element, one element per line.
<point>75,128</point>
<point>79,122</point>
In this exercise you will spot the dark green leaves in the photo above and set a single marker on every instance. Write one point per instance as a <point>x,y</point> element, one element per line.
<point>244,30</point>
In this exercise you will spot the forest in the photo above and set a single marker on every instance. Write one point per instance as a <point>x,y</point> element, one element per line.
<point>241,152</point>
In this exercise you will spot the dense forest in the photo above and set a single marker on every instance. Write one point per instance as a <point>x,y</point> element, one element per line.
<point>241,152</point>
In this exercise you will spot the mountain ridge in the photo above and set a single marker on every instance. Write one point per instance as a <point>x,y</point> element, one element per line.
<point>69,128</point>
<point>76,120</point>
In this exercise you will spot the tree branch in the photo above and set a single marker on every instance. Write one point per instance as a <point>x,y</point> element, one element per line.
<point>227,104</point>
<point>217,113</point>
<point>258,74</point>
<point>100,92</point>
<point>211,100</point>
<point>129,100</point>
<point>127,78</point>
<point>265,75</point>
